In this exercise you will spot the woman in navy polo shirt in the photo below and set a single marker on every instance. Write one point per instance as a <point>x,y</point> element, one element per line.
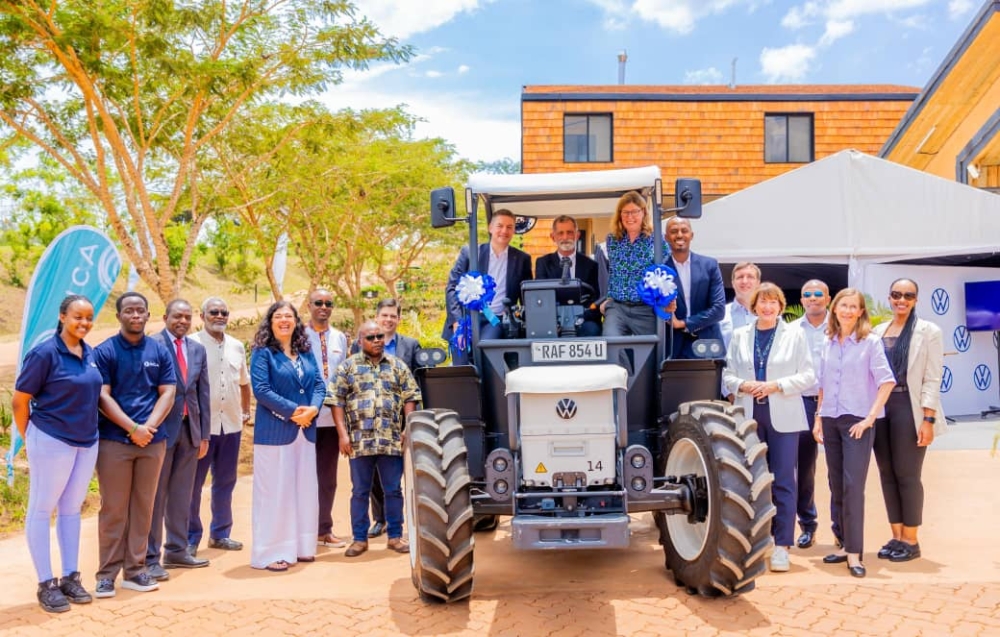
<point>55,410</point>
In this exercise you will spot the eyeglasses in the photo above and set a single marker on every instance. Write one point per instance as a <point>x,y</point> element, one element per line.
<point>632,213</point>
<point>895,295</point>
<point>222,313</point>
<point>375,337</point>
<point>323,303</point>
<point>808,295</point>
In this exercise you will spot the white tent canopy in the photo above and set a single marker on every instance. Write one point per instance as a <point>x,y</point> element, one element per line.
<point>853,209</point>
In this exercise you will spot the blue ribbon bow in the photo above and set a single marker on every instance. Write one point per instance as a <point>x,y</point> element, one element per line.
<point>475,291</point>
<point>658,288</point>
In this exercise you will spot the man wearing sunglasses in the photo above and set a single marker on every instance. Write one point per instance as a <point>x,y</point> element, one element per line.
<point>229,389</point>
<point>815,300</point>
<point>329,345</point>
<point>372,395</point>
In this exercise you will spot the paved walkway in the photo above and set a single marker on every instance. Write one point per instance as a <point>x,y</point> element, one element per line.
<point>953,590</point>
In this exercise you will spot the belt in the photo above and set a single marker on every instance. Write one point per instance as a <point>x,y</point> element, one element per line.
<point>761,401</point>
<point>899,389</point>
<point>629,303</point>
<point>812,398</point>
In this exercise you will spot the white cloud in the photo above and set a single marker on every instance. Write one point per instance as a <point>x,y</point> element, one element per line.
<point>711,75</point>
<point>958,8</point>
<point>836,29</point>
<point>403,18</point>
<point>787,64</point>
<point>677,16</point>
<point>847,9</point>
<point>433,74</point>
<point>798,17</point>
<point>839,15</point>
<point>463,69</point>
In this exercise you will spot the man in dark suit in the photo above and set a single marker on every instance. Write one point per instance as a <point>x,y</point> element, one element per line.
<point>565,235</point>
<point>405,348</point>
<point>701,300</point>
<point>508,266</point>
<point>189,430</point>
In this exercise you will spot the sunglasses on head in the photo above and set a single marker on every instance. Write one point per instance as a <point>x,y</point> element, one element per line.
<point>222,313</point>
<point>323,303</point>
<point>809,295</point>
<point>375,337</point>
<point>895,295</point>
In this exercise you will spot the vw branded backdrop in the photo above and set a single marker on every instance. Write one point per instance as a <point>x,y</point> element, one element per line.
<point>969,384</point>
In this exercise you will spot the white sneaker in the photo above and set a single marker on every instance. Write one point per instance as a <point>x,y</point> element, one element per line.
<point>779,559</point>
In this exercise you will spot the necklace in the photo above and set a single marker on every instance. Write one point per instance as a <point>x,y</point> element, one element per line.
<point>762,350</point>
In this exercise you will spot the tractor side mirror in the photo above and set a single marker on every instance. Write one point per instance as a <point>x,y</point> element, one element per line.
<point>687,198</point>
<point>443,207</point>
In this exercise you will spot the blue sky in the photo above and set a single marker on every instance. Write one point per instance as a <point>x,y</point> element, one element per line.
<point>473,56</point>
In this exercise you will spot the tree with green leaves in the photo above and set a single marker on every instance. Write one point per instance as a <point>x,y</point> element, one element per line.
<point>126,95</point>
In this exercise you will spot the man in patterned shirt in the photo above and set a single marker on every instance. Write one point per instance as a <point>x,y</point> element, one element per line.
<point>373,392</point>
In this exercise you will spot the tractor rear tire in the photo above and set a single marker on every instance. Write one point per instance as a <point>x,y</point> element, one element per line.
<point>724,554</point>
<point>439,506</point>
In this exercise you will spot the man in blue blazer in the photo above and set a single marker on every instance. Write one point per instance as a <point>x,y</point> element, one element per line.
<point>508,266</point>
<point>701,300</point>
<point>189,429</point>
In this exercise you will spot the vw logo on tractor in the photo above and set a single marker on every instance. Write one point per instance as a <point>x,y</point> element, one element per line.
<point>566,408</point>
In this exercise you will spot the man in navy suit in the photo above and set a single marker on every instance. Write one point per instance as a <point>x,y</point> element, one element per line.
<point>189,430</point>
<point>508,266</point>
<point>565,235</point>
<point>701,300</point>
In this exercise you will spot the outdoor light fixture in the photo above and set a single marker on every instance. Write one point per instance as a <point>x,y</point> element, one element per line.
<point>973,171</point>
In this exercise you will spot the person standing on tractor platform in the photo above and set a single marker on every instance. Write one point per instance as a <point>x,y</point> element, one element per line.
<point>373,394</point>
<point>509,267</point>
<point>565,235</point>
<point>701,300</point>
<point>630,251</point>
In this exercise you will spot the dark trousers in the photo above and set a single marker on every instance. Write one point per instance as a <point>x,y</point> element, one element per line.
<point>172,506</point>
<point>900,462</point>
<point>390,470</point>
<point>377,498</point>
<point>327,457</point>
<point>127,475</point>
<point>806,501</point>
<point>847,460</point>
<point>223,459</point>
<point>782,457</point>
<point>486,331</point>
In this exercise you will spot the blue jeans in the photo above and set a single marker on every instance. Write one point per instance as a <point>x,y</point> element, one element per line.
<point>390,470</point>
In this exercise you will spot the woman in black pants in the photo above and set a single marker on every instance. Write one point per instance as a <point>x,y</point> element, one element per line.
<point>916,354</point>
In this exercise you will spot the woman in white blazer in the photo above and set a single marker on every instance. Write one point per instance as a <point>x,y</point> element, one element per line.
<point>912,416</point>
<point>768,366</point>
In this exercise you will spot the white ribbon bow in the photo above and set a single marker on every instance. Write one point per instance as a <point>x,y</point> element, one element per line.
<point>660,281</point>
<point>469,289</point>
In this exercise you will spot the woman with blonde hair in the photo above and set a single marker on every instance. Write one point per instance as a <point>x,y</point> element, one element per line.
<point>630,251</point>
<point>855,380</point>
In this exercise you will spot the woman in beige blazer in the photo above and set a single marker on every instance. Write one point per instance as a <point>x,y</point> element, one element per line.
<point>768,366</point>
<point>912,416</point>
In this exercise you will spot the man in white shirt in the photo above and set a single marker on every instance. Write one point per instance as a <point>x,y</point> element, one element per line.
<point>701,302</point>
<point>329,346</point>
<point>229,383</point>
<point>815,299</point>
<point>746,278</point>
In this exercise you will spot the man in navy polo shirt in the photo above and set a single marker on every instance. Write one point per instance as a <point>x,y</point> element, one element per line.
<point>138,389</point>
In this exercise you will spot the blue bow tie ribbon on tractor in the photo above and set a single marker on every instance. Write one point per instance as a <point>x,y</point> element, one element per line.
<point>475,291</point>
<point>658,288</point>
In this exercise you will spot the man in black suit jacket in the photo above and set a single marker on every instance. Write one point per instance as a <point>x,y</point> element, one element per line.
<point>565,235</point>
<point>508,266</point>
<point>188,428</point>
<point>700,308</point>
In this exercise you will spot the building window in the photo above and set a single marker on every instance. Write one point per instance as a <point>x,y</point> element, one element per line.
<point>586,138</point>
<point>788,139</point>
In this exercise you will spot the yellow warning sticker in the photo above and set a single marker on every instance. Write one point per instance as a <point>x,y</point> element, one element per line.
<point>541,468</point>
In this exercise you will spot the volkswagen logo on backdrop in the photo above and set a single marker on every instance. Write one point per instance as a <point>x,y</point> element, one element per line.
<point>566,408</point>
<point>962,338</point>
<point>940,301</point>
<point>982,377</point>
<point>945,380</point>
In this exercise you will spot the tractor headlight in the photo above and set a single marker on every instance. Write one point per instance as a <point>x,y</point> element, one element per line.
<point>500,486</point>
<point>638,460</point>
<point>499,464</point>
<point>638,483</point>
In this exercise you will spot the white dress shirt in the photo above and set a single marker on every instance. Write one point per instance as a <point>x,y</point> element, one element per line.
<point>684,272</point>
<point>336,350</point>
<point>498,270</point>
<point>227,371</point>
<point>815,336</point>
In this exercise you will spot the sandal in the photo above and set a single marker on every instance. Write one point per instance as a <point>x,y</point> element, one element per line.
<point>277,567</point>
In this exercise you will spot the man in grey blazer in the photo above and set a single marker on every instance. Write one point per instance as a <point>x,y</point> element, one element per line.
<point>405,348</point>
<point>188,428</point>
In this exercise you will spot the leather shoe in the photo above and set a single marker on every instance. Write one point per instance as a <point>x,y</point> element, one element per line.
<point>192,550</point>
<point>834,558</point>
<point>377,529</point>
<point>185,561</point>
<point>807,539</point>
<point>905,552</point>
<point>225,543</point>
<point>857,571</point>
<point>887,550</point>
<point>156,572</point>
<point>356,549</point>
<point>398,544</point>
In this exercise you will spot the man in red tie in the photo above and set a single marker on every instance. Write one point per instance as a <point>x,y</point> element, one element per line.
<point>188,428</point>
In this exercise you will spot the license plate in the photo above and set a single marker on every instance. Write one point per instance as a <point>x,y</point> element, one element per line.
<point>569,351</point>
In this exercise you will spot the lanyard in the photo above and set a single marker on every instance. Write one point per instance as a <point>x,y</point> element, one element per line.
<point>761,352</point>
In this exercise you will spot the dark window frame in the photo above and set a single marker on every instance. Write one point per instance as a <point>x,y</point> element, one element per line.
<point>611,138</point>
<point>788,138</point>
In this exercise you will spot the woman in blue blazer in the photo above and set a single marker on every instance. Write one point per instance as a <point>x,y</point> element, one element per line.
<point>289,390</point>
<point>768,366</point>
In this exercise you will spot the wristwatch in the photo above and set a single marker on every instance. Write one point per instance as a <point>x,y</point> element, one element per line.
<point>929,419</point>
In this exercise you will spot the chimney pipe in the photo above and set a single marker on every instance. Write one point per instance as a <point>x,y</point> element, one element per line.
<point>622,59</point>
<point>732,75</point>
